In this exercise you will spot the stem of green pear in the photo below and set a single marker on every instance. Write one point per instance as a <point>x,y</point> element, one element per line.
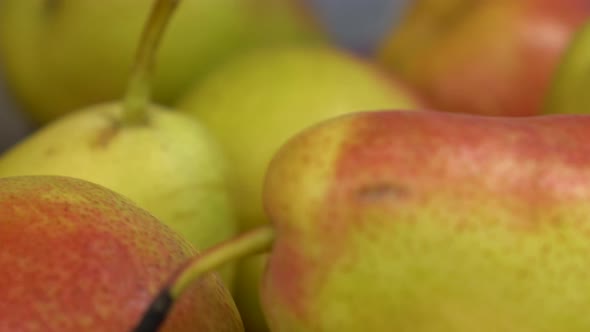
<point>138,94</point>
<point>250,243</point>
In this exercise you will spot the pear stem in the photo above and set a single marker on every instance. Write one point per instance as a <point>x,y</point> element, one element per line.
<point>138,94</point>
<point>253,242</point>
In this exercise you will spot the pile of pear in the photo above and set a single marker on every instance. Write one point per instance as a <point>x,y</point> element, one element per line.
<point>418,220</point>
<point>387,214</point>
<point>176,163</point>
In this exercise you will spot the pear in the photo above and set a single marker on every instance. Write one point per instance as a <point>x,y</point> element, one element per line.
<point>163,160</point>
<point>50,49</point>
<point>257,101</point>
<point>425,222</point>
<point>568,87</point>
<point>77,256</point>
<point>482,57</point>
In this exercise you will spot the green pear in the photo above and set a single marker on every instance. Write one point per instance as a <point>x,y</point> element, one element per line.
<point>424,222</point>
<point>482,57</point>
<point>77,256</point>
<point>568,88</point>
<point>256,102</point>
<point>51,49</point>
<point>163,160</point>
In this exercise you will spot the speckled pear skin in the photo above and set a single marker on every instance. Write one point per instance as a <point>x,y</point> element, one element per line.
<point>430,222</point>
<point>76,256</point>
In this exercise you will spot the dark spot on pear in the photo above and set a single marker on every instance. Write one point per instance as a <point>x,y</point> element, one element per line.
<point>105,136</point>
<point>51,6</point>
<point>380,192</point>
<point>50,152</point>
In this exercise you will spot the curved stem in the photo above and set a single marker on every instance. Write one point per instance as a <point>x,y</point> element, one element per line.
<point>253,242</point>
<point>137,96</point>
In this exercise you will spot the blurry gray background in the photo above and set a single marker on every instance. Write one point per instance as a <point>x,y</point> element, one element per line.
<point>355,24</point>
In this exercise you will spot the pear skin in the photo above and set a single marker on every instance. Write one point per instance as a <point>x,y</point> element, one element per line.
<point>169,166</point>
<point>431,222</point>
<point>77,257</point>
<point>482,57</point>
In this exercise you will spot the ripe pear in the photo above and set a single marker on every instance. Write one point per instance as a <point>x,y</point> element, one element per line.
<point>493,57</point>
<point>256,102</point>
<point>424,222</point>
<point>568,88</point>
<point>50,49</point>
<point>77,256</point>
<point>163,160</point>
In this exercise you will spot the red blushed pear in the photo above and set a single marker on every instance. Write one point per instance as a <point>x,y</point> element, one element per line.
<point>437,222</point>
<point>77,257</point>
<point>424,222</point>
<point>492,57</point>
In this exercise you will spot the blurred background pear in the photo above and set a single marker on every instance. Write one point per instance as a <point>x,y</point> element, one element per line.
<point>353,24</point>
<point>49,49</point>
<point>490,57</point>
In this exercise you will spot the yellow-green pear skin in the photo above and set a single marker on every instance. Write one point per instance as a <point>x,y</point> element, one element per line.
<point>51,49</point>
<point>170,166</point>
<point>257,101</point>
<point>431,222</point>
<point>568,93</point>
